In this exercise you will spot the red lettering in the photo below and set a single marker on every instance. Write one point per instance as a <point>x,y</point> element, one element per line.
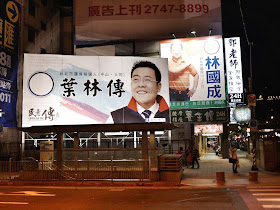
<point>122,10</point>
<point>94,11</point>
<point>107,10</point>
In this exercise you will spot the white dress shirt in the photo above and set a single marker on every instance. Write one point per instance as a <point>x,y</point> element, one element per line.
<point>153,109</point>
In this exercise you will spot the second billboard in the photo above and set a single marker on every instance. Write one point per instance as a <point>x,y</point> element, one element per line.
<point>196,72</point>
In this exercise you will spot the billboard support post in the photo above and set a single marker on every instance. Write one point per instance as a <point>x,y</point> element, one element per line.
<point>152,147</point>
<point>99,139</point>
<point>145,149</point>
<point>76,147</point>
<point>59,150</point>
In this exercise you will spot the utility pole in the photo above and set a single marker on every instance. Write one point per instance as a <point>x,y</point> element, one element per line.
<point>254,134</point>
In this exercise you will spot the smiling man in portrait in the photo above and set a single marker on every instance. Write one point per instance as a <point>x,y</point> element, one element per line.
<point>146,105</point>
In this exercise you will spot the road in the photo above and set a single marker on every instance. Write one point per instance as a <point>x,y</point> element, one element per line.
<point>13,197</point>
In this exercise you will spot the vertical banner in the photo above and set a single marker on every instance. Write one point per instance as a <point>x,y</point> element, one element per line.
<point>196,72</point>
<point>9,36</point>
<point>234,69</point>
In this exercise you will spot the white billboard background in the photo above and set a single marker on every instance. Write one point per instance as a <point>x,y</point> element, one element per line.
<point>196,51</point>
<point>43,88</point>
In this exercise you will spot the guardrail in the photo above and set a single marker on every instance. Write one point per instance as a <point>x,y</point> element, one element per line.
<point>79,170</point>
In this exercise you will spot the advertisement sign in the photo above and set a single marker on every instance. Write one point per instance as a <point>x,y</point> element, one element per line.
<point>9,36</point>
<point>234,69</point>
<point>235,98</point>
<point>127,19</point>
<point>75,90</point>
<point>208,129</point>
<point>199,115</point>
<point>196,72</point>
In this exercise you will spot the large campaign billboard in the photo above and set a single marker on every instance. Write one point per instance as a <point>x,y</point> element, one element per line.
<point>75,90</point>
<point>128,19</point>
<point>196,72</point>
<point>9,36</point>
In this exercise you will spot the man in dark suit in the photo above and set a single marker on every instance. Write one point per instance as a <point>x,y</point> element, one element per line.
<point>145,105</point>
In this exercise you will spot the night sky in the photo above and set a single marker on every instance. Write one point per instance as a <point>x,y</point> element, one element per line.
<point>261,19</point>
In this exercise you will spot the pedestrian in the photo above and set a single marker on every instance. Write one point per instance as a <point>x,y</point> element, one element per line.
<point>180,151</point>
<point>195,155</point>
<point>188,156</point>
<point>233,153</point>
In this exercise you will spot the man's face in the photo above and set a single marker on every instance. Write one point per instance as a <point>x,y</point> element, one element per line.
<point>144,87</point>
<point>176,51</point>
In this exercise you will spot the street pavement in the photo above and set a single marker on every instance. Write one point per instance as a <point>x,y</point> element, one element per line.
<point>198,190</point>
<point>48,197</point>
<point>205,176</point>
<point>119,198</point>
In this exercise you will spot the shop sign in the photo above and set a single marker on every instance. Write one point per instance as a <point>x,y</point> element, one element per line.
<point>208,129</point>
<point>234,68</point>
<point>9,37</point>
<point>273,98</point>
<point>199,115</point>
<point>236,98</point>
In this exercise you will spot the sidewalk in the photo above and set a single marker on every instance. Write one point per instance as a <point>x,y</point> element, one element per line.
<point>210,163</point>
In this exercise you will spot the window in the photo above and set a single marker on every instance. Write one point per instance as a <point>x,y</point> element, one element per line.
<point>31,34</point>
<point>43,26</point>
<point>31,8</point>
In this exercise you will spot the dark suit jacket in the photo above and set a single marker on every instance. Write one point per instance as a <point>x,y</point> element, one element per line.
<point>129,113</point>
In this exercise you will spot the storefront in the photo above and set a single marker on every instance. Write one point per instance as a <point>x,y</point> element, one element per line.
<point>208,137</point>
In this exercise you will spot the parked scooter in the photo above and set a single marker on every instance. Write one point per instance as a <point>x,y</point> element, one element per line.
<point>218,150</point>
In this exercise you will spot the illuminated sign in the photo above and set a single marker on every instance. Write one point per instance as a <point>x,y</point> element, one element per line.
<point>199,115</point>
<point>242,114</point>
<point>234,69</point>
<point>268,98</point>
<point>9,37</point>
<point>67,90</point>
<point>236,98</point>
<point>208,129</point>
<point>272,98</point>
<point>196,72</point>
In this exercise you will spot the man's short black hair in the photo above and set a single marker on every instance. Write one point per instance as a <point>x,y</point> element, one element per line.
<point>147,64</point>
